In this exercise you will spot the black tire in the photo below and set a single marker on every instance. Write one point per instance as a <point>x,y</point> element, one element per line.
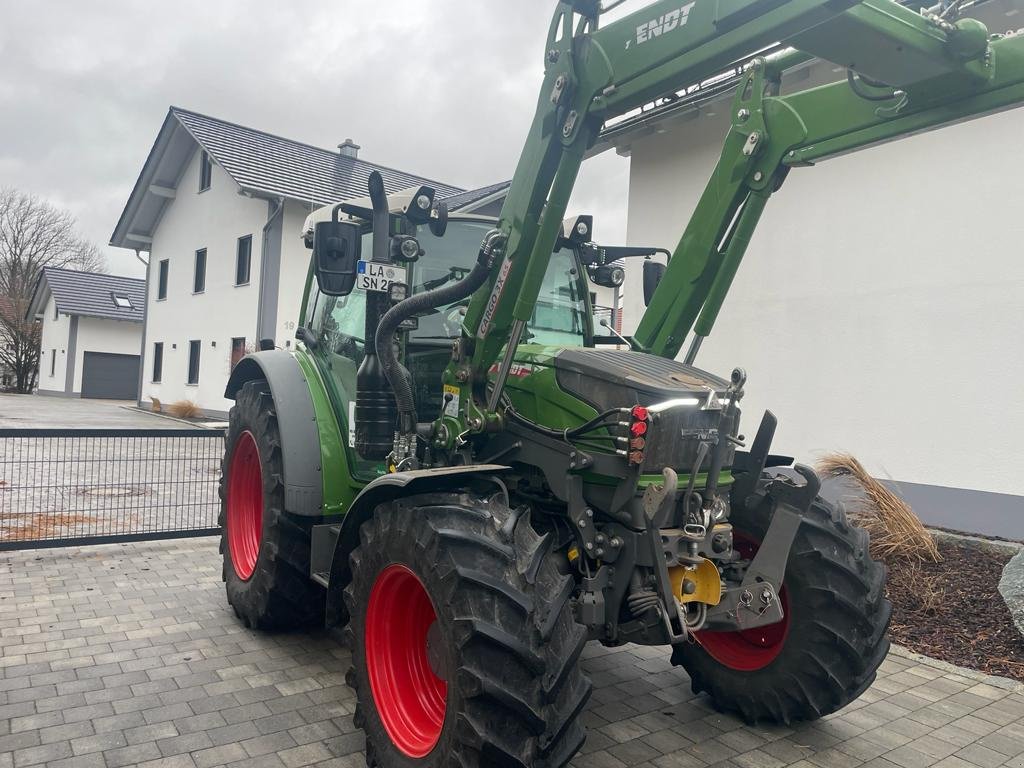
<point>838,617</point>
<point>508,642</point>
<point>279,593</point>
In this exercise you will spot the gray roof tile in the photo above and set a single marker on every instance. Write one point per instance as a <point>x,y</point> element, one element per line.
<point>273,165</point>
<point>92,294</point>
<point>462,199</point>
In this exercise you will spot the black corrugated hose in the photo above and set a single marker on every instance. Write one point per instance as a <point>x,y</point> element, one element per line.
<point>398,376</point>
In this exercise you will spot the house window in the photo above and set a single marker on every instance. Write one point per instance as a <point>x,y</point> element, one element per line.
<point>237,350</point>
<point>158,361</point>
<point>123,302</point>
<point>199,279</point>
<point>56,311</point>
<point>193,362</point>
<point>205,172</point>
<point>243,260</point>
<point>53,361</point>
<point>161,288</point>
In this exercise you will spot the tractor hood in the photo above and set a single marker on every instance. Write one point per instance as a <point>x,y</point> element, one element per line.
<point>610,378</point>
<point>562,388</point>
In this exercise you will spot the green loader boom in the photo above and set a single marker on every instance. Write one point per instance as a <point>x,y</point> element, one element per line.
<point>908,72</point>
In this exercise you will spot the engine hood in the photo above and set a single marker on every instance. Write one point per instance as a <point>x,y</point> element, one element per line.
<point>609,378</point>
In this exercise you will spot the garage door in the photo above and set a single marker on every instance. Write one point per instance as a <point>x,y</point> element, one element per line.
<point>110,376</point>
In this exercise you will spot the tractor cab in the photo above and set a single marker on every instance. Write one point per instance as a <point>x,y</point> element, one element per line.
<point>334,328</point>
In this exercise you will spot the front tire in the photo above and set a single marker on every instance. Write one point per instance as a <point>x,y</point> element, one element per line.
<point>464,646</point>
<point>826,650</point>
<point>265,549</point>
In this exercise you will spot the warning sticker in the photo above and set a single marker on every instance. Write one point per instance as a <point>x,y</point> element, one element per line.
<point>451,407</point>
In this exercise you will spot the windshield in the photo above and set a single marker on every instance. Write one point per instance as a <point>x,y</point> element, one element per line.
<point>558,318</point>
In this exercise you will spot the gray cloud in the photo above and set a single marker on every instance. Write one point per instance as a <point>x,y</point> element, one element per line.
<point>445,89</point>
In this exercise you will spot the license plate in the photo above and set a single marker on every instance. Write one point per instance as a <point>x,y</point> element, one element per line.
<point>371,276</point>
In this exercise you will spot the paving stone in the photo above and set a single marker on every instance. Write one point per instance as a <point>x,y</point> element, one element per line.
<point>151,668</point>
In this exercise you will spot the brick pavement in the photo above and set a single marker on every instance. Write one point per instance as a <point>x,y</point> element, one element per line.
<point>128,655</point>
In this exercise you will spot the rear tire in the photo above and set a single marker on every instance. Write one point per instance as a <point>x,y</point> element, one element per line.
<point>265,549</point>
<point>831,643</point>
<point>460,598</point>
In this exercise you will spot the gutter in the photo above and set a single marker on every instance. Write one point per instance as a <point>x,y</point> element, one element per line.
<point>277,210</point>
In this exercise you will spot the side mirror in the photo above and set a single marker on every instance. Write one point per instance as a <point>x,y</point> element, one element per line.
<point>653,272</point>
<point>336,249</point>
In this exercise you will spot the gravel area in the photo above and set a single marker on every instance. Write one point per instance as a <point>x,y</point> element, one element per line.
<point>953,611</point>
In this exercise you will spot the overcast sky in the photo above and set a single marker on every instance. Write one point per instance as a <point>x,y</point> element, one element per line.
<point>445,89</point>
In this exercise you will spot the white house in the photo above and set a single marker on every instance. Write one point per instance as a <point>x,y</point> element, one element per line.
<point>219,207</point>
<point>880,302</point>
<point>91,332</point>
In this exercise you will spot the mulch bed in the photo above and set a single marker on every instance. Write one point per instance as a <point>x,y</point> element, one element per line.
<point>953,610</point>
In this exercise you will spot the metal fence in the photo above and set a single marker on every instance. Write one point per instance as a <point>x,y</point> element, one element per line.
<point>84,486</point>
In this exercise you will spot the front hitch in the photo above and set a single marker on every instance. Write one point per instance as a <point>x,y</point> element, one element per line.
<point>755,602</point>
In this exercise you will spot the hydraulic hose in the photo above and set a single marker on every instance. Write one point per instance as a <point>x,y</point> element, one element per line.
<point>397,375</point>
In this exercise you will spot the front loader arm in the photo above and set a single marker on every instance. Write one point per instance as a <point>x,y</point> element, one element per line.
<point>798,130</point>
<point>592,75</point>
<point>950,72</point>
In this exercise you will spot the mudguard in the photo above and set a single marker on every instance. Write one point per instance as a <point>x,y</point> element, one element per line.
<point>300,438</point>
<point>382,489</point>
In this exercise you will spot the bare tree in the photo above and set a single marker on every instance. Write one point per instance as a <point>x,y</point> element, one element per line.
<point>33,234</point>
<point>19,343</point>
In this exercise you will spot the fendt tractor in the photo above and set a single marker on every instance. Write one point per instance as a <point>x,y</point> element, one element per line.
<point>453,469</point>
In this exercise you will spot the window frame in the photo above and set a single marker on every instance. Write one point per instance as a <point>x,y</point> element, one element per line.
<point>247,239</point>
<point>162,278</point>
<point>56,311</point>
<point>53,363</point>
<point>205,171</point>
<point>157,370</point>
<point>199,277</point>
<point>194,346</point>
<point>118,298</point>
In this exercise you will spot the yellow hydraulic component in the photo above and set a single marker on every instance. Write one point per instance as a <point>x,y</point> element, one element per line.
<point>707,584</point>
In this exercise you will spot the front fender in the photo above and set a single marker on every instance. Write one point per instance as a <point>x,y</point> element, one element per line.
<point>296,419</point>
<point>385,488</point>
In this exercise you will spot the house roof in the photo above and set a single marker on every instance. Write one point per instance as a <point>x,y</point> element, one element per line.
<point>89,293</point>
<point>260,163</point>
<point>476,197</point>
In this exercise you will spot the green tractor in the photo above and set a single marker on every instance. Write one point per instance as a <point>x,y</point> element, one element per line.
<point>456,470</point>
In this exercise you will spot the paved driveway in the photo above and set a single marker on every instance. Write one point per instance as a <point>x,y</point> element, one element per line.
<point>128,655</point>
<point>71,412</point>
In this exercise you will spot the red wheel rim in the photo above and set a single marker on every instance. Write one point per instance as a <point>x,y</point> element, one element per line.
<point>245,506</point>
<point>748,650</point>
<point>410,698</point>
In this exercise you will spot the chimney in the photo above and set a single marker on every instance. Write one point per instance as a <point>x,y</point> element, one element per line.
<point>348,148</point>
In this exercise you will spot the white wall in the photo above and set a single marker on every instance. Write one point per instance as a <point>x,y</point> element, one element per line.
<point>54,335</point>
<point>95,334</point>
<point>879,307</point>
<point>214,220</point>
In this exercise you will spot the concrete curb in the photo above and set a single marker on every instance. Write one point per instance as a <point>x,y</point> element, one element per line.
<point>199,425</point>
<point>1004,683</point>
<point>968,540</point>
